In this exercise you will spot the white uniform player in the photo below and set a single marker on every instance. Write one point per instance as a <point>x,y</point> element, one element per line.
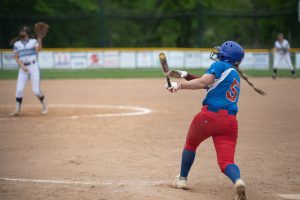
<point>26,50</point>
<point>282,54</point>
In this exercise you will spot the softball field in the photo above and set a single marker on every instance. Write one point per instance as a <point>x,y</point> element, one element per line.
<point>117,139</point>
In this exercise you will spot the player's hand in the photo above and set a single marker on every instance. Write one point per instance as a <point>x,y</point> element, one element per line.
<point>24,68</point>
<point>174,88</point>
<point>177,73</point>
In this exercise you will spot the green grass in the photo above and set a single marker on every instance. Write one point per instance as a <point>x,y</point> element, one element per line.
<point>121,73</point>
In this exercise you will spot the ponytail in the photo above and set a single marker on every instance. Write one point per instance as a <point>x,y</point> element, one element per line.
<point>259,91</point>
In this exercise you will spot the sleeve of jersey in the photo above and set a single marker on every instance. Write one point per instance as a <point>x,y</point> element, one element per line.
<point>15,48</point>
<point>35,42</point>
<point>288,45</point>
<point>215,69</point>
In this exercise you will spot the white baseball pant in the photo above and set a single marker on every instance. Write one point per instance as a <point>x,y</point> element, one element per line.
<point>34,73</point>
<point>279,58</point>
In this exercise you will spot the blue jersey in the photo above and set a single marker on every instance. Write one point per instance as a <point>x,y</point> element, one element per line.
<point>224,93</point>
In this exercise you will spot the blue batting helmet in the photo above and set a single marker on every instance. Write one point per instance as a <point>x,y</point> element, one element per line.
<point>229,51</point>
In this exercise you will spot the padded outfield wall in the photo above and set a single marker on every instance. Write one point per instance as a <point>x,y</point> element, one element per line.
<point>131,58</point>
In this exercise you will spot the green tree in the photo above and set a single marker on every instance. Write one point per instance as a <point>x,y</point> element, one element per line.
<point>153,23</point>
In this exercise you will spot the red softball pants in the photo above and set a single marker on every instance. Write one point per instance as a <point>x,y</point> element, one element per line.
<point>223,129</point>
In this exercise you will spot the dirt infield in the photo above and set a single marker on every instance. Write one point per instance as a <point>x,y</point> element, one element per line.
<point>136,157</point>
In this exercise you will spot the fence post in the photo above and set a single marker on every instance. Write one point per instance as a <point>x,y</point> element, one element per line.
<point>102,28</point>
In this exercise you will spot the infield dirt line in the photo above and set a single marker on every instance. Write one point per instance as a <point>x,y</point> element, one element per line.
<point>290,196</point>
<point>89,183</point>
<point>135,111</point>
<point>112,183</point>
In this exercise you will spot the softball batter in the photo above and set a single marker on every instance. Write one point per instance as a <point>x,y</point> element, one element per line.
<point>217,118</point>
<point>25,49</point>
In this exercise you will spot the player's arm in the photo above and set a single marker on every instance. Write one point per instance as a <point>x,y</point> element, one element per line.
<point>288,46</point>
<point>181,74</point>
<point>276,47</point>
<point>39,44</point>
<point>20,63</point>
<point>198,83</point>
<point>190,77</point>
<point>214,72</point>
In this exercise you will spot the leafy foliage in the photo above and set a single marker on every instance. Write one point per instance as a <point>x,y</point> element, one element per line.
<point>153,23</point>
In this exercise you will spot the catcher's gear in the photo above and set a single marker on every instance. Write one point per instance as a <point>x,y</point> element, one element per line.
<point>177,73</point>
<point>41,29</point>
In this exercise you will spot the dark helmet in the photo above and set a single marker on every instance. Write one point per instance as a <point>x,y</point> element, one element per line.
<point>229,51</point>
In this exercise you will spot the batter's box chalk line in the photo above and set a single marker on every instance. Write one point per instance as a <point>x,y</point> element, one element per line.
<point>290,196</point>
<point>132,111</point>
<point>130,183</point>
<point>86,183</point>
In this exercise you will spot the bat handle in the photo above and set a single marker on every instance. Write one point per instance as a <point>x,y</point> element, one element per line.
<point>168,82</point>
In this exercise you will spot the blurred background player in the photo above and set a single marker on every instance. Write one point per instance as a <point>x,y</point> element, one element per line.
<point>217,118</point>
<point>281,53</point>
<point>26,48</point>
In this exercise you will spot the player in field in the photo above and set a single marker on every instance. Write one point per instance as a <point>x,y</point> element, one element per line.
<point>217,118</point>
<point>26,48</point>
<point>282,54</point>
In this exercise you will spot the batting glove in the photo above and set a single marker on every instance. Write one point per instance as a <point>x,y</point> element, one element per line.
<point>174,87</point>
<point>177,73</point>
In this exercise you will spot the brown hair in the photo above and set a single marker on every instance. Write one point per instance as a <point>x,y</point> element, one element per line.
<point>25,28</point>
<point>259,91</point>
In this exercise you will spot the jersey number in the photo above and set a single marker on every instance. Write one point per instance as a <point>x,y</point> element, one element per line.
<point>232,94</point>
